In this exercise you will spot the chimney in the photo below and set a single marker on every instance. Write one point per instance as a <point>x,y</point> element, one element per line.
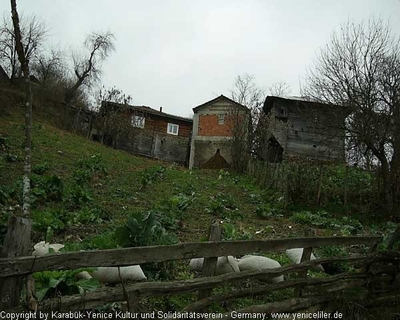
<point>160,109</point>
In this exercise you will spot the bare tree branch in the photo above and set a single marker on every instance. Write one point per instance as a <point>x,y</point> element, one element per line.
<point>33,35</point>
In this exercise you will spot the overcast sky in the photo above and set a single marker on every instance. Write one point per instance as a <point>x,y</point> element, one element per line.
<point>181,53</point>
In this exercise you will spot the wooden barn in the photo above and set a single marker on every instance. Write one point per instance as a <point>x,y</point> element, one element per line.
<point>311,129</point>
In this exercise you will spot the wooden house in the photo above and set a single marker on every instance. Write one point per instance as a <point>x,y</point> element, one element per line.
<point>310,129</point>
<point>212,132</point>
<point>155,134</point>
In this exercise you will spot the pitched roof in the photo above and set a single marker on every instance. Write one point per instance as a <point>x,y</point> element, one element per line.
<point>149,110</point>
<point>219,98</point>
<point>300,101</point>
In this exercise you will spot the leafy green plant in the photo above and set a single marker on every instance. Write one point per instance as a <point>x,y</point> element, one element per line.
<point>231,233</point>
<point>143,229</point>
<point>44,219</point>
<point>322,219</point>
<point>88,168</point>
<point>4,196</point>
<point>150,175</point>
<point>104,240</point>
<point>334,251</point>
<point>86,215</point>
<point>47,188</point>
<point>4,143</point>
<point>78,196</point>
<point>9,157</point>
<point>221,202</point>
<point>94,164</point>
<point>181,201</point>
<point>53,283</point>
<point>40,169</point>
<point>267,210</point>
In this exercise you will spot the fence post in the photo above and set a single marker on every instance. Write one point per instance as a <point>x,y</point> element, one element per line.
<point>14,245</point>
<point>306,256</point>
<point>210,264</point>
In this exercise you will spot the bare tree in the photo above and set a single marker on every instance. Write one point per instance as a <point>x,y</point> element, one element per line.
<point>18,237</point>
<point>33,34</point>
<point>114,118</point>
<point>50,68</point>
<point>279,89</point>
<point>360,68</point>
<point>246,92</point>
<point>87,68</point>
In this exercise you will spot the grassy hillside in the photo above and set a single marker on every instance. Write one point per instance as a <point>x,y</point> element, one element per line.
<point>90,188</point>
<point>82,188</point>
<point>89,196</point>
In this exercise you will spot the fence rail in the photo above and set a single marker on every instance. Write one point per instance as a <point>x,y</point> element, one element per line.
<point>140,255</point>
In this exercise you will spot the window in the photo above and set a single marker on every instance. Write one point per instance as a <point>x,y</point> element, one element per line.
<point>173,129</point>
<point>138,121</point>
<point>221,118</point>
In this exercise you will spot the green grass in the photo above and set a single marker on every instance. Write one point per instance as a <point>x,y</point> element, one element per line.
<point>120,184</point>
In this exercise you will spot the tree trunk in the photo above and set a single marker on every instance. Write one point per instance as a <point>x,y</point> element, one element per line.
<point>387,187</point>
<point>18,237</point>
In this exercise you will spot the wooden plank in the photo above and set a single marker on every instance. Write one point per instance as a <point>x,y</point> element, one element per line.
<point>138,255</point>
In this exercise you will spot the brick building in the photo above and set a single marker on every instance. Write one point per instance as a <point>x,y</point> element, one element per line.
<point>212,130</point>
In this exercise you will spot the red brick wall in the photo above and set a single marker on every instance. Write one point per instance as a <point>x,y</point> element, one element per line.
<point>208,126</point>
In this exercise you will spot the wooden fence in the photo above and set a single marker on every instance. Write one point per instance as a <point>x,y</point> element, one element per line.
<point>374,268</point>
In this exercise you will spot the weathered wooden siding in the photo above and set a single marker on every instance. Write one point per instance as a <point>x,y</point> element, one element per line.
<point>153,140</point>
<point>311,131</point>
<point>158,125</point>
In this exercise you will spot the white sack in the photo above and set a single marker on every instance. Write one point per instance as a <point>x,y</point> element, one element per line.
<point>295,255</point>
<point>84,275</point>
<point>259,263</point>
<point>224,265</point>
<point>111,275</point>
<point>42,248</point>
